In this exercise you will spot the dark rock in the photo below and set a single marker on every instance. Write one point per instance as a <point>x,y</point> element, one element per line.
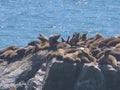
<point>62,76</point>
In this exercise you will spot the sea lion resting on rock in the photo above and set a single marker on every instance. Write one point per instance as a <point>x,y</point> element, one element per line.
<point>87,56</point>
<point>9,48</point>
<point>63,45</point>
<point>74,39</point>
<point>53,41</point>
<point>113,42</point>
<point>34,43</point>
<point>117,45</point>
<point>7,54</point>
<point>109,42</point>
<point>71,57</point>
<point>104,42</point>
<point>83,37</point>
<point>108,59</point>
<point>42,46</point>
<point>61,54</point>
<point>43,38</point>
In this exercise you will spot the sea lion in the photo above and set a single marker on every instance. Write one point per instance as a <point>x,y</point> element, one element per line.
<point>34,43</point>
<point>29,50</point>
<point>9,48</point>
<point>63,40</point>
<point>104,42</point>
<point>8,56</point>
<point>42,46</point>
<point>63,45</point>
<point>95,52</point>
<point>83,37</point>
<point>58,54</point>
<point>98,35</point>
<point>53,41</point>
<point>116,53</point>
<point>68,39</point>
<point>71,57</point>
<point>89,56</point>
<point>43,38</point>
<point>94,42</point>
<point>113,42</point>
<point>117,45</point>
<point>107,58</point>
<point>74,39</point>
<point>81,43</point>
<point>21,52</point>
<point>83,58</point>
<point>94,45</point>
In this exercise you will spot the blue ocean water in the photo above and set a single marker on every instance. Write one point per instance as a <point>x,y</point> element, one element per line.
<point>22,20</point>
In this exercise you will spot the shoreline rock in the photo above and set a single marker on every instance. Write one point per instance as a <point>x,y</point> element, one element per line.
<point>78,63</point>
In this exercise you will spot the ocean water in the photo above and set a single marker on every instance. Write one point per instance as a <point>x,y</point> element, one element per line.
<point>22,20</point>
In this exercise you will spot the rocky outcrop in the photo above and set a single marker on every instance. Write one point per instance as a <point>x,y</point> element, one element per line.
<point>78,63</point>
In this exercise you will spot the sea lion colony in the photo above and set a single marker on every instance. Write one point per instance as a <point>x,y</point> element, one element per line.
<point>78,48</point>
<point>79,61</point>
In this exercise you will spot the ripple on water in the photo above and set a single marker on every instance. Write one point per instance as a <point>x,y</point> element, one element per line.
<point>22,20</point>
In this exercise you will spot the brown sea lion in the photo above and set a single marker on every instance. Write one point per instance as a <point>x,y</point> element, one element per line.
<point>53,41</point>
<point>34,43</point>
<point>117,45</point>
<point>21,52</point>
<point>113,42</point>
<point>9,48</point>
<point>42,46</point>
<point>43,38</point>
<point>63,45</point>
<point>68,39</point>
<point>58,55</point>
<point>116,53</point>
<point>74,39</point>
<point>98,35</point>
<point>94,45</point>
<point>104,42</point>
<point>83,58</point>
<point>71,57</point>
<point>29,50</point>
<point>89,56</point>
<point>6,54</point>
<point>94,42</point>
<point>107,58</point>
<point>95,52</point>
<point>83,37</point>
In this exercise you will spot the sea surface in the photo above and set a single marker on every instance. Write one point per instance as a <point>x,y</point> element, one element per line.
<point>22,20</point>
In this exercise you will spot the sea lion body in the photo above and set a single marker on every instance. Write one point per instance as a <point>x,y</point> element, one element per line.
<point>9,48</point>
<point>104,42</point>
<point>107,58</point>
<point>34,43</point>
<point>113,42</point>
<point>117,45</point>
<point>43,38</point>
<point>72,57</point>
<point>53,41</point>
